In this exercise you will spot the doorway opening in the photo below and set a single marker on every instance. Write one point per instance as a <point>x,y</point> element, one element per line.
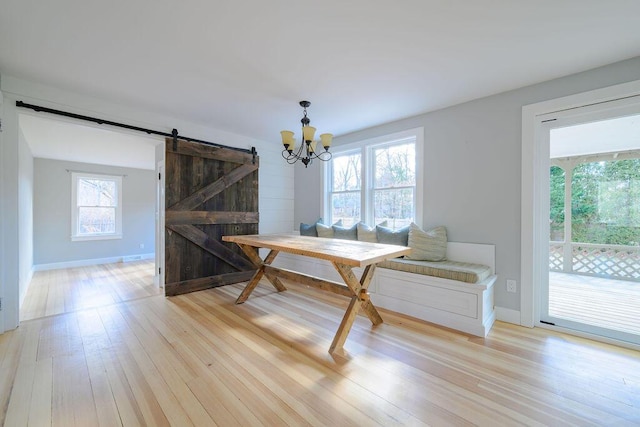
<point>60,272</point>
<point>593,282</point>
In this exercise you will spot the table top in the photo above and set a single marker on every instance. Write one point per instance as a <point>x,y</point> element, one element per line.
<point>349,252</point>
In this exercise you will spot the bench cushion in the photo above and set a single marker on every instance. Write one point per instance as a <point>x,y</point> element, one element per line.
<point>453,270</point>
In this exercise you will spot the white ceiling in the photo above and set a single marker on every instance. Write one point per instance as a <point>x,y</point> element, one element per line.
<point>615,135</point>
<point>242,66</point>
<point>52,138</point>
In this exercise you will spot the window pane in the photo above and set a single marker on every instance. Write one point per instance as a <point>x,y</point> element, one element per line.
<point>96,192</point>
<point>395,206</point>
<point>395,166</point>
<point>346,172</point>
<point>605,198</point>
<point>346,207</point>
<point>96,221</point>
<point>556,204</point>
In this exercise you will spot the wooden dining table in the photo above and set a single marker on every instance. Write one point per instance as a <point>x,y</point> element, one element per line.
<point>344,255</point>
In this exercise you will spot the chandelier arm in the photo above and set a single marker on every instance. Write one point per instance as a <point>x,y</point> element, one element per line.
<point>290,158</point>
<point>324,156</point>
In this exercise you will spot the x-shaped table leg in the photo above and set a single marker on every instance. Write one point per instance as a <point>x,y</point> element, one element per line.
<point>360,299</point>
<point>260,264</point>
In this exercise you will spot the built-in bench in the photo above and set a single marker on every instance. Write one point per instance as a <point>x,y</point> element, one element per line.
<point>456,294</point>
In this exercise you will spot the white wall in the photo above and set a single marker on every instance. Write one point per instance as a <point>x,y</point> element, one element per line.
<point>52,214</point>
<point>9,284</point>
<point>472,166</point>
<point>2,213</point>
<point>3,210</point>
<point>276,181</point>
<point>25,216</point>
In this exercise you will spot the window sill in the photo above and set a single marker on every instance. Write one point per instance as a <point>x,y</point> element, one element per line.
<point>96,237</point>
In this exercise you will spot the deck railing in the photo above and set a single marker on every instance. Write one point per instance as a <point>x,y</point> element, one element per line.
<point>614,261</point>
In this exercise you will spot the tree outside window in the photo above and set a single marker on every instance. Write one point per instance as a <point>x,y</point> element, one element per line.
<point>556,211</point>
<point>394,184</point>
<point>605,202</point>
<point>345,188</point>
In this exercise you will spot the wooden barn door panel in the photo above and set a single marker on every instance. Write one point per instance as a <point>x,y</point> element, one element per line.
<point>210,192</point>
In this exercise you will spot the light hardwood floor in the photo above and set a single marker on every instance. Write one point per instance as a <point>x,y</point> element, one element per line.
<point>65,290</point>
<point>199,359</point>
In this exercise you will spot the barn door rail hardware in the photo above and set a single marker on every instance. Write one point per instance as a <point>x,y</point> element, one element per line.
<point>173,134</point>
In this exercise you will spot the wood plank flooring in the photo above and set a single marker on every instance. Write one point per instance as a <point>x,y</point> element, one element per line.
<point>199,359</point>
<point>65,290</point>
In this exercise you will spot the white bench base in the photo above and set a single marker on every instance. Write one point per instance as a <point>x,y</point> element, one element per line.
<point>467,307</point>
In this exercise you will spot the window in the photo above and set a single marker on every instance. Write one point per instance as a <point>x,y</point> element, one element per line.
<point>96,210</point>
<point>345,188</point>
<point>556,203</point>
<point>394,183</point>
<point>376,180</point>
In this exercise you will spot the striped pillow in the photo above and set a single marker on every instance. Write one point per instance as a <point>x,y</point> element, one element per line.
<point>430,245</point>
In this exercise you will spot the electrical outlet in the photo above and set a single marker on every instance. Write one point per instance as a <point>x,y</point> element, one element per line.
<point>511,285</point>
<point>141,245</point>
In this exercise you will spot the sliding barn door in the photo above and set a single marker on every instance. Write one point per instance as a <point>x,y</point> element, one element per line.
<point>210,192</point>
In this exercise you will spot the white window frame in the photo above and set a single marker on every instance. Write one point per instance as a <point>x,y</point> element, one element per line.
<point>366,186</point>
<point>75,235</point>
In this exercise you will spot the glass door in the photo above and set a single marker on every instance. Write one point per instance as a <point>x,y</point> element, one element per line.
<point>593,283</point>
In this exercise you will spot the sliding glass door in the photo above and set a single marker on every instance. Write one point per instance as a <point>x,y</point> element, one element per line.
<point>593,284</point>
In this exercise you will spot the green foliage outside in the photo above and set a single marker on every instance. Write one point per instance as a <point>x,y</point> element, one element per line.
<point>605,204</point>
<point>556,192</point>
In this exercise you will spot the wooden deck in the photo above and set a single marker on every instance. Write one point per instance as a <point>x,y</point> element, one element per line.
<point>606,303</point>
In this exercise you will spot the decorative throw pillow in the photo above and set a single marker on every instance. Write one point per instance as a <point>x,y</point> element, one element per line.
<point>430,245</point>
<point>345,233</point>
<point>368,234</point>
<point>393,237</point>
<point>326,230</point>
<point>309,229</point>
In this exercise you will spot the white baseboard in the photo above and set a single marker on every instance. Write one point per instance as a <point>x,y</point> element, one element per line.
<point>94,261</point>
<point>508,315</point>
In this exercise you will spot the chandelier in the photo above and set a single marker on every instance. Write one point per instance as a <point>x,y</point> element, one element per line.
<point>307,150</point>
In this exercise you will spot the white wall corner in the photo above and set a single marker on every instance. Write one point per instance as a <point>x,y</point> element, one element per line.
<point>27,283</point>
